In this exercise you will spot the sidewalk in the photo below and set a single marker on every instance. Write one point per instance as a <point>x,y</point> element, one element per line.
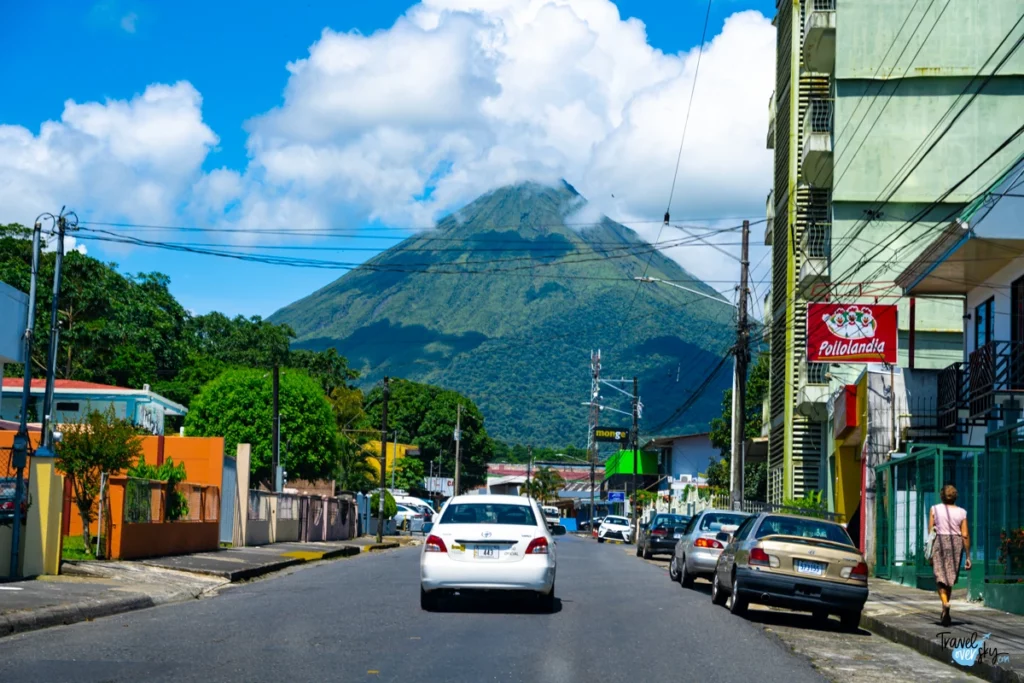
<point>911,617</point>
<point>90,589</point>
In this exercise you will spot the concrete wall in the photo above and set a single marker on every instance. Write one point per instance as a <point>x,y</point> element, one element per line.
<point>692,455</point>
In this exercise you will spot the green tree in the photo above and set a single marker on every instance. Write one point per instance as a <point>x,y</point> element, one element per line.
<point>390,506</point>
<point>755,476</point>
<point>409,473</point>
<point>353,473</point>
<point>425,416</point>
<point>238,406</point>
<point>99,443</point>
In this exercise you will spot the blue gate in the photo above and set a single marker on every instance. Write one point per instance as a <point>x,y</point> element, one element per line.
<point>227,499</point>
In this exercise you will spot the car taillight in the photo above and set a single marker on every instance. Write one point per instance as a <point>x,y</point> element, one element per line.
<point>707,543</point>
<point>659,532</point>
<point>860,572</point>
<point>538,546</point>
<point>759,557</point>
<point>434,545</point>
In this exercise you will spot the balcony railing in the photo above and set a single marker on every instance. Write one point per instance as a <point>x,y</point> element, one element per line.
<point>824,5</point>
<point>817,240</point>
<point>819,116</point>
<point>996,371</point>
<point>952,395</point>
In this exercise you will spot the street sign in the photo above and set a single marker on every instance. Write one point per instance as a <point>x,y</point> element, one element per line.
<point>616,496</point>
<point>458,435</point>
<point>443,485</point>
<point>611,434</point>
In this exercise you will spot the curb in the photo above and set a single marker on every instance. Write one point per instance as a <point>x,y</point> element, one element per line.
<point>236,575</point>
<point>387,545</point>
<point>930,648</point>
<point>61,615</point>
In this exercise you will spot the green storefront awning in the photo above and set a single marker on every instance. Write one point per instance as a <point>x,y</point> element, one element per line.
<point>622,463</point>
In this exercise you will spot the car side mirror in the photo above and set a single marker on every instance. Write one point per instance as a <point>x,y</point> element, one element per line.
<point>558,530</point>
<point>724,537</point>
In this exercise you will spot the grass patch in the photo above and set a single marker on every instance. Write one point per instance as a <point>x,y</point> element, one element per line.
<point>74,549</point>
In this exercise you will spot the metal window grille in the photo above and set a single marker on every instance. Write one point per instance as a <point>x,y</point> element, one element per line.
<point>143,501</point>
<point>824,5</point>
<point>259,506</point>
<point>287,506</point>
<point>816,373</point>
<point>819,114</point>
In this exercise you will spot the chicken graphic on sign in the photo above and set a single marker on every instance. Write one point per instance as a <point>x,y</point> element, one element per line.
<point>851,323</point>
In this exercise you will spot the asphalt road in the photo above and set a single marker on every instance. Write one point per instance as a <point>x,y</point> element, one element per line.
<point>616,619</point>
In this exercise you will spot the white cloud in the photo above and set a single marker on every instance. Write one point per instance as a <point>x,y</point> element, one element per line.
<point>128,159</point>
<point>457,97</point>
<point>129,21</point>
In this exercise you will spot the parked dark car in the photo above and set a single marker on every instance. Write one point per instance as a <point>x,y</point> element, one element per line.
<point>659,536</point>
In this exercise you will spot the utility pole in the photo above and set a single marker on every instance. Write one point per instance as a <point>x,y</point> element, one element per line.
<point>46,428</point>
<point>739,395</point>
<point>394,460</point>
<point>595,412</point>
<point>276,438</point>
<point>636,435</point>
<point>19,451</point>
<point>529,471</point>
<point>458,442</point>
<point>383,461</point>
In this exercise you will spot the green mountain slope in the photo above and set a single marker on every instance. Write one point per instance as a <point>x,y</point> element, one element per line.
<point>503,302</point>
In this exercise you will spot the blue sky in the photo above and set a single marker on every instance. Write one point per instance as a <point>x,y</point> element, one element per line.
<point>236,60</point>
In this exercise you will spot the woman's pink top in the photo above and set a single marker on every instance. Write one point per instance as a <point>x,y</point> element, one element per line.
<point>948,519</point>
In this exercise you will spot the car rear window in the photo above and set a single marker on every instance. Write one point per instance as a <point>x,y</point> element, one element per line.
<point>720,519</point>
<point>670,520</point>
<point>489,513</point>
<point>805,527</point>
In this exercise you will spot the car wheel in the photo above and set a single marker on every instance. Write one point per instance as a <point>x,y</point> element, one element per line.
<point>647,552</point>
<point>428,601</point>
<point>673,569</point>
<point>546,601</point>
<point>738,606</point>
<point>685,577</point>
<point>850,620</point>
<point>639,551</point>
<point>600,540</point>
<point>718,596</point>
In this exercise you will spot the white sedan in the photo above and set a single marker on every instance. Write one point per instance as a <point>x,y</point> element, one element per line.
<point>489,543</point>
<point>615,528</point>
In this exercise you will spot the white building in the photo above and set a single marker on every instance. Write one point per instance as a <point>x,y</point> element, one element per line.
<point>979,258</point>
<point>72,400</point>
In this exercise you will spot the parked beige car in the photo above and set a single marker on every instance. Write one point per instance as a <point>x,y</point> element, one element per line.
<point>800,563</point>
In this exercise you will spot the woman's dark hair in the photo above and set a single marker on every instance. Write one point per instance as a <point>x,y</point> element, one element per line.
<point>948,494</point>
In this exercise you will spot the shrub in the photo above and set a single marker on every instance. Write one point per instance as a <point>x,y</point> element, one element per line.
<point>177,502</point>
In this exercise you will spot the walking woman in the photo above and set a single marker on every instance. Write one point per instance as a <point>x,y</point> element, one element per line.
<point>952,540</point>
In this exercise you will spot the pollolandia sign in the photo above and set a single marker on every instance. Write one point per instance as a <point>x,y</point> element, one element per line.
<point>851,333</point>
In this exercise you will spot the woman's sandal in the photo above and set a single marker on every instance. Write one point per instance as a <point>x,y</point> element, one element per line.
<point>945,616</point>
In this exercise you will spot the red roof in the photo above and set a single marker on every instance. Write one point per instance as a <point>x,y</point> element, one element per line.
<point>16,383</point>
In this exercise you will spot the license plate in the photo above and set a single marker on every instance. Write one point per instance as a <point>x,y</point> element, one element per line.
<point>486,552</point>
<point>805,567</point>
<point>675,536</point>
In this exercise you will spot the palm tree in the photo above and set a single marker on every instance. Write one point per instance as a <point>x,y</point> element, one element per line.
<point>545,484</point>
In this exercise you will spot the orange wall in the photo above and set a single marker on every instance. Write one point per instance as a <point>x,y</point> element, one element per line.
<point>138,541</point>
<point>6,441</point>
<point>203,458</point>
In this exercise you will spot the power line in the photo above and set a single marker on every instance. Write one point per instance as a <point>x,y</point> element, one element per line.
<point>689,107</point>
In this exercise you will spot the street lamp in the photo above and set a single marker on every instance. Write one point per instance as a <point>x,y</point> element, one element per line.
<point>686,289</point>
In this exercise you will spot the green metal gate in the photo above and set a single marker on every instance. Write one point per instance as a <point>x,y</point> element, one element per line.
<point>906,488</point>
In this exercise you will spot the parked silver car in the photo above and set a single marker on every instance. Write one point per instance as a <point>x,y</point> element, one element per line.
<point>696,553</point>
